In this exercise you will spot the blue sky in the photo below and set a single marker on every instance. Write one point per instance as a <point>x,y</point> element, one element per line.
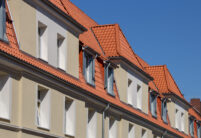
<point>160,31</point>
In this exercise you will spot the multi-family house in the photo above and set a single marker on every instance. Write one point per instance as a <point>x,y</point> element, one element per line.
<point>64,75</point>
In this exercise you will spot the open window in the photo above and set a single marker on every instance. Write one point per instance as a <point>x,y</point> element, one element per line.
<point>3,21</point>
<point>42,41</point>
<point>5,96</point>
<point>70,117</point>
<point>89,68</point>
<point>109,79</point>
<point>92,124</point>
<point>153,104</point>
<point>43,107</point>
<point>61,52</point>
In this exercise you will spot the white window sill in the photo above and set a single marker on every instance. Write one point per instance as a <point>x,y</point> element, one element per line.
<point>43,128</point>
<point>69,135</point>
<point>4,119</point>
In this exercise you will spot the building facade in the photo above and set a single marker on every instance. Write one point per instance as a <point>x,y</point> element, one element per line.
<point>62,75</point>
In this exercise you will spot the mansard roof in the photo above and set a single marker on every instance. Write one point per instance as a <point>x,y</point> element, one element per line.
<point>11,49</point>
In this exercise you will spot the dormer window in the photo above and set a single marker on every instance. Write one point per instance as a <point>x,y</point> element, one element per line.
<point>191,126</point>
<point>164,110</point>
<point>42,41</point>
<point>61,52</point>
<point>2,20</point>
<point>109,79</point>
<point>153,104</point>
<point>89,68</point>
<point>198,130</point>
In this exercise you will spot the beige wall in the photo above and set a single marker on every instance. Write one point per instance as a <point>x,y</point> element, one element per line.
<point>171,113</point>
<point>121,79</point>
<point>72,55</point>
<point>24,17</point>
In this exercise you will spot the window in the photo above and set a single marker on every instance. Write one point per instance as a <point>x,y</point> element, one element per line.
<point>164,110</point>
<point>191,126</point>
<point>153,101</point>
<point>5,96</point>
<point>92,124</point>
<point>131,131</point>
<point>2,20</point>
<point>89,68</point>
<point>109,79</point>
<point>198,130</point>
<point>177,117</point>
<point>43,107</point>
<point>61,52</point>
<point>112,128</point>
<point>70,117</point>
<point>130,92</point>
<point>182,122</point>
<point>42,41</point>
<point>144,133</point>
<point>139,96</point>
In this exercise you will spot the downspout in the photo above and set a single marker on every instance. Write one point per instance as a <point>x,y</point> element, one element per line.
<point>103,120</point>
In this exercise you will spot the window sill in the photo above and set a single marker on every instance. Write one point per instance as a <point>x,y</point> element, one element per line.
<point>62,70</point>
<point>43,60</point>
<point>154,116</point>
<point>70,136</point>
<point>111,94</point>
<point>5,119</point>
<point>92,85</point>
<point>4,40</point>
<point>43,128</point>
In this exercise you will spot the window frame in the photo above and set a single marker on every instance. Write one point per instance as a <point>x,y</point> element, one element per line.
<point>153,113</point>
<point>3,36</point>
<point>73,109</point>
<point>164,116</point>
<point>42,41</point>
<point>9,85</point>
<point>61,52</point>
<point>109,79</point>
<point>86,56</point>
<point>90,122</point>
<point>48,96</point>
<point>191,126</point>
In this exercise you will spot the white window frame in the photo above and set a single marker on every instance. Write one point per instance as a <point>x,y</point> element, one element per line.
<point>5,96</point>
<point>61,52</point>
<point>91,123</point>
<point>139,96</point>
<point>43,108</point>
<point>42,41</point>
<point>69,117</point>
<point>182,121</point>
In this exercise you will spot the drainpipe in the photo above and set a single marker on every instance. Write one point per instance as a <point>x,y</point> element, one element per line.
<point>103,120</point>
<point>165,132</point>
